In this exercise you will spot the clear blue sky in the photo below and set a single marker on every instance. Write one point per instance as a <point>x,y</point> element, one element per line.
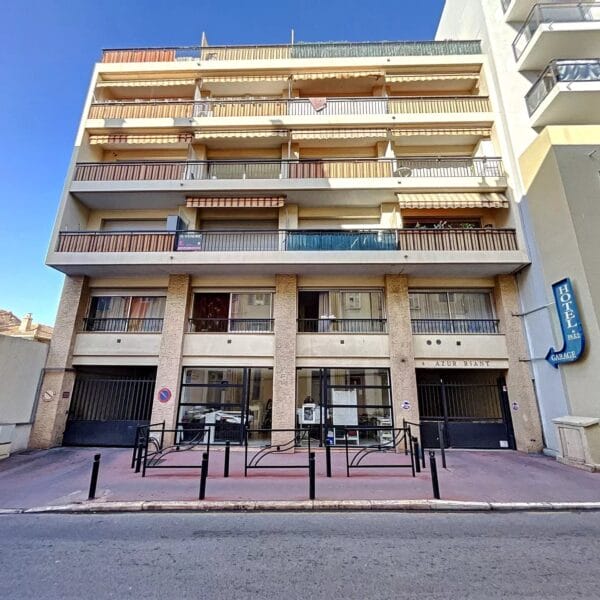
<point>47,55</point>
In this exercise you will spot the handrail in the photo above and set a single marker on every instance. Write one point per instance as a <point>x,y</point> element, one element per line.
<point>456,326</point>
<point>216,325</point>
<point>123,325</point>
<point>335,325</point>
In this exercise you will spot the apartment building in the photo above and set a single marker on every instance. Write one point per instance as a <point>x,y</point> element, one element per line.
<point>312,235</point>
<point>544,63</point>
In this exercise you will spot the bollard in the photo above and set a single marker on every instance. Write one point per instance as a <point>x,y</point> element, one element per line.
<point>442,444</point>
<point>140,451</point>
<point>203,475</point>
<point>328,459</point>
<point>434,477</point>
<point>226,466</point>
<point>423,456</point>
<point>311,475</point>
<point>417,452</point>
<point>94,477</point>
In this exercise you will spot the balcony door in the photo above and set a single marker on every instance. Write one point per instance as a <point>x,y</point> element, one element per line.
<point>211,311</point>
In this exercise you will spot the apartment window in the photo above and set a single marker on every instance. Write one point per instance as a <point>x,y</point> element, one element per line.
<point>139,314</point>
<point>232,312</point>
<point>443,311</point>
<point>341,311</point>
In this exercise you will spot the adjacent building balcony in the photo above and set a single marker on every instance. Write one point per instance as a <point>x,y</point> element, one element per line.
<point>555,30</point>
<point>293,51</point>
<point>567,93</point>
<point>438,252</point>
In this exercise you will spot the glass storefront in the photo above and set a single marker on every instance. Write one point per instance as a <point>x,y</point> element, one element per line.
<point>224,399</point>
<point>330,401</point>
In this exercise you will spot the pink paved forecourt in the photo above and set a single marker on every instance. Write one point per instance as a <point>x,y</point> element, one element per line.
<point>59,478</point>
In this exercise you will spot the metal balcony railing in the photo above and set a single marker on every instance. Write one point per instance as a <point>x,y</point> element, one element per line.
<point>418,240</point>
<point>333,325</point>
<point>260,107</point>
<point>456,326</point>
<point>299,50</point>
<point>123,325</point>
<point>211,325</point>
<point>148,170</point>
<point>575,12</point>
<point>567,71</point>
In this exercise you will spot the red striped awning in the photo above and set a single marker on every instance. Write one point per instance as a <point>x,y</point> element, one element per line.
<point>243,202</point>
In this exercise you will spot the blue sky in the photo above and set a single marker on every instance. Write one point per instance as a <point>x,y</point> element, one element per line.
<point>48,51</point>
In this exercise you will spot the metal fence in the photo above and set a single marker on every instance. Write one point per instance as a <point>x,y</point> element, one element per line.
<point>456,326</point>
<point>342,325</point>
<point>207,325</point>
<point>152,325</point>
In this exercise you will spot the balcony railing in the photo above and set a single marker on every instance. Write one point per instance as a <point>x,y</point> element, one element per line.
<point>568,71</point>
<point>211,325</point>
<point>295,240</point>
<point>187,109</point>
<point>300,50</point>
<point>289,169</point>
<point>333,325</point>
<point>456,326</point>
<point>553,13</point>
<point>123,325</point>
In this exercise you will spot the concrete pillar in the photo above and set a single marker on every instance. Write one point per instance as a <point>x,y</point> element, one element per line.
<point>59,377</point>
<point>402,360</point>
<point>284,364</point>
<point>526,418</point>
<point>168,373</point>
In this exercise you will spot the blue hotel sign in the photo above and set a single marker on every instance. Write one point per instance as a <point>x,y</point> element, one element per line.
<point>570,324</point>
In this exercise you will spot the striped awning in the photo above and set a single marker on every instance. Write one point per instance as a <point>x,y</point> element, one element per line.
<point>243,78</point>
<point>338,134</point>
<point>176,138</point>
<point>453,200</point>
<point>243,202</point>
<point>336,75</point>
<point>456,131</point>
<point>249,133</point>
<point>147,83</point>
<point>391,78</point>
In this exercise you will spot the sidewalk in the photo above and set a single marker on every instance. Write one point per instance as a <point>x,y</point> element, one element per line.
<point>61,476</point>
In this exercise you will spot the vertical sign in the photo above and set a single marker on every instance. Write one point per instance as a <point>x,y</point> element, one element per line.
<point>570,324</point>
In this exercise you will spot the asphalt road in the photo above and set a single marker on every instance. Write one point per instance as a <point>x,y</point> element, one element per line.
<point>309,556</point>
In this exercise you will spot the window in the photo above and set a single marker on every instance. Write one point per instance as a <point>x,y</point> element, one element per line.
<point>139,314</point>
<point>344,311</point>
<point>241,312</point>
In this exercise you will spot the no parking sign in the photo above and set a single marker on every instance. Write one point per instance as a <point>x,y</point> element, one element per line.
<point>164,395</point>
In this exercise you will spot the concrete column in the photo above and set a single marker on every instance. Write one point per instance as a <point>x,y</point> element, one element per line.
<point>402,360</point>
<point>526,419</point>
<point>284,371</point>
<point>168,373</point>
<point>59,377</point>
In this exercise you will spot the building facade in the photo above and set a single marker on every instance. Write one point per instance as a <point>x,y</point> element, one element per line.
<point>544,65</point>
<point>265,238</point>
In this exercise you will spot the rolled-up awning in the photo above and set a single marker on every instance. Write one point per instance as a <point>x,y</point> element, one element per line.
<point>453,200</point>
<point>243,78</point>
<point>393,78</point>
<point>147,83</point>
<point>336,75</point>
<point>249,133</point>
<point>457,131</point>
<point>338,134</point>
<point>176,138</point>
<point>241,202</point>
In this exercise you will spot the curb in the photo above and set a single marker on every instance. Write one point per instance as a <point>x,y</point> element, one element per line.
<point>306,506</point>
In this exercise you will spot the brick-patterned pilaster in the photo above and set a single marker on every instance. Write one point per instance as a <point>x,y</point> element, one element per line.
<point>59,378</point>
<point>168,373</point>
<point>526,420</point>
<point>402,359</point>
<point>284,365</point>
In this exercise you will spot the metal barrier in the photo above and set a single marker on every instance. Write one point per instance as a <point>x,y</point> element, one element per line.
<point>399,436</point>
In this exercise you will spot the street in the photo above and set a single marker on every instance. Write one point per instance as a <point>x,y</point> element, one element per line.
<point>307,556</point>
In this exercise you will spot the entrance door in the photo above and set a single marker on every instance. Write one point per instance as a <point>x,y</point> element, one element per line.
<point>108,404</point>
<point>472,410</point>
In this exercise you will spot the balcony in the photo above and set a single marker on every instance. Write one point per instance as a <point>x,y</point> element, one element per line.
<point>204,110</point>
<point>566,93</point>
<point>518,10</point>
<point>123,325</point>
<point>456,326</point>
<point>206,325</point>
<point>332,325</point>
<point>293,51</point>
<point>549,34</point>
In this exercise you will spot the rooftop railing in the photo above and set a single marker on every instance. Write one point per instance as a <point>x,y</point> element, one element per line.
<point>553,13</point>
<point>291,240</point>
<point>565,71</point>
<point>147,170</point>
<point>371,105</point>
<point>289,51</point>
